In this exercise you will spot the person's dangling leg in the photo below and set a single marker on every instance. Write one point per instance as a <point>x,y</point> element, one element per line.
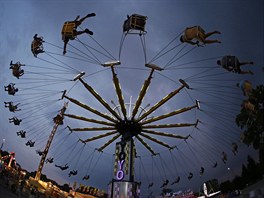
<point>211,41</point>
<point>79,22</point>
<point>211,33</point>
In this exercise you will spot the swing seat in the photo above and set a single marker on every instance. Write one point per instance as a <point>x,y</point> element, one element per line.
<point>67,31</point>
<point>36,46</point>
<point>135,22</point>
<point>17,72</point>
<point>230,61</point>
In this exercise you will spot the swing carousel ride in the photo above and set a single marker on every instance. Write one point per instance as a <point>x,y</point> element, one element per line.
<point>176,129</point>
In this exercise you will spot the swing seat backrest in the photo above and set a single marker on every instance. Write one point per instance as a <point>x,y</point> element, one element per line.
<point>230,61</point>
<point>67,31</point>
<point>135,22</point>
<point>16,72</point>
<point>36,46</point>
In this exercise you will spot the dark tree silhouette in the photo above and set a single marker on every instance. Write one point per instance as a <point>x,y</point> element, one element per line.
<point>251,121</point>
<point>65,188</point>
<point>226,186</point>
<point>253,170</point>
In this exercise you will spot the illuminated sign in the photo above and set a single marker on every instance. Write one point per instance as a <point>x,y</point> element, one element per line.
<point>120,173</point>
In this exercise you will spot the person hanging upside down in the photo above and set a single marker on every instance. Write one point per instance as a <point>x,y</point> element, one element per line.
<point>40,153</point>
<point>234,148</point>
<point>176,181</point>
<point>11,89</point>
<point>21,133</point>
<point>30,143</point>
<point>86,177</point>
<point>150,185</point>
<point>165,183</point>
<point>196,35</point>
<point>201,171</point>
<point>11,106</point>
<point>69,30</point>
<point>190,176</point>
<point>15,120</point>
<point>224,157</point>
<point>62,167</point>
<point>215,165</point>
<point>16,69</point>
<point>232,64</point>
<point>50,160</point>
<point>73,172</point>
<point>37,45</point>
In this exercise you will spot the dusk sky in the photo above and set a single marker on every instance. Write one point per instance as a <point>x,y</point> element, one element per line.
<point>241,23</point>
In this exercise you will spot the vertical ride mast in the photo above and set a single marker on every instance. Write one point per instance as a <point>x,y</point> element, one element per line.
<point>58,120</point>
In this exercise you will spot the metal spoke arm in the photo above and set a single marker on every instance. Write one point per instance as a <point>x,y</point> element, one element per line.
<point>163,100</point>
<point>99,98</point>
<point>119,92</point>
<point>142,94</point>
<point>89,120</point>
<point>157,126</point>
<point>93,129</point>
<point>169,114</point>
<point>155,140</point>
<point>165,134</point>
<point>109,142</point>
<point>98,137</point>
<point>146,145</point>
<point>90,109</point>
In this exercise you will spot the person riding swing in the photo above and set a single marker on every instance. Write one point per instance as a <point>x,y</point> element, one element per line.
<point>196,35</point>
<point>70,32</point>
